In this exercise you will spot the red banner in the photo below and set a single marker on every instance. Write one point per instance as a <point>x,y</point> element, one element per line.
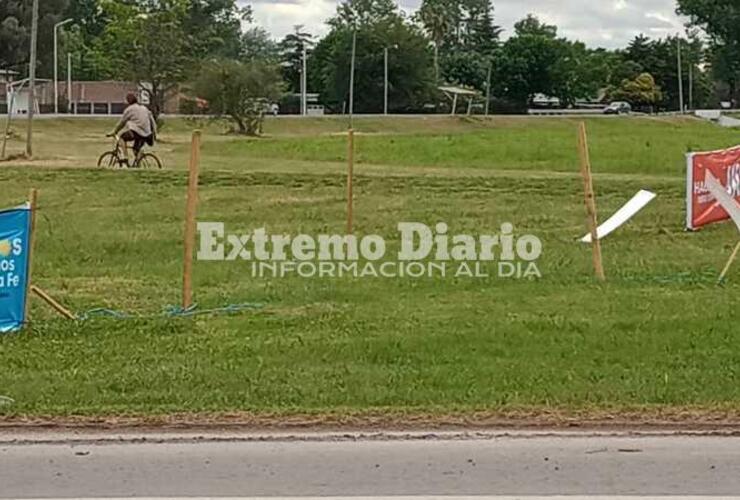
<point>703,208</point>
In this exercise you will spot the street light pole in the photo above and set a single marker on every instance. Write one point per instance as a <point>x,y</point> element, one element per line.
<point>680,76</point>
<point>56,63</point>
<point>488,87</point>
<point>385,81</point>
<point>304,85</point>
<point>69,84</point>
<point>32,77</point>
<point>691,86</point>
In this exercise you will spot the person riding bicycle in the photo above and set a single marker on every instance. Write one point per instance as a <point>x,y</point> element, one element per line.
<point>141,128</point>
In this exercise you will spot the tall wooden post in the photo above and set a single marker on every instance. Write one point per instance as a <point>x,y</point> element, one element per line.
<point>190,222</point>
<point>33,196</point>
<point>588,189</point>
<point>350,179</point>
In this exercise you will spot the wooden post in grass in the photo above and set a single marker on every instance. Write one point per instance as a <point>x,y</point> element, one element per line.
<point>733,257</point>
<point>33,197</point>
<point>190,224</point>
<point>350,179</point>
<point>53,303</point>
<point>588,188</point>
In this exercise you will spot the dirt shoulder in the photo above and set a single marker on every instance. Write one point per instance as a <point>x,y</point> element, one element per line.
<point>678,419</point>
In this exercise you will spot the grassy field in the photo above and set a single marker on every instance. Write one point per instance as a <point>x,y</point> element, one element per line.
<point>659,334</point>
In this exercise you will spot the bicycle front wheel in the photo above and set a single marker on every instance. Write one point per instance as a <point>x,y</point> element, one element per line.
<point>108,160</point>
<point>150,161</point>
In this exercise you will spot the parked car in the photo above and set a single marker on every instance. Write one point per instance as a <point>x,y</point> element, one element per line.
<point>618,108</point>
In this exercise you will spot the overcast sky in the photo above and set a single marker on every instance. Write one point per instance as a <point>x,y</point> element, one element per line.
<point>599,23</point>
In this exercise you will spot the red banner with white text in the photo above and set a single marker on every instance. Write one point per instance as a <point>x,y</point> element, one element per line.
<point>703,208</point>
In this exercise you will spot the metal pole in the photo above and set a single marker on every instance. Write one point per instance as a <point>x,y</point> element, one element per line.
<point>69,84</point>
<point>10,117</point>
<point>56,73</point>
<point>352,78</point>
<point>385,82</point>
<point>32,77</point>
<point>680,77</point>
<point>691,85</point>
<point>488,87</point>
<point>56,63</point>
<point>304,85</point>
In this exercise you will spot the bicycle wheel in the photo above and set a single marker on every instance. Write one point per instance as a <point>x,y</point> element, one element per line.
<point>148,160</point>
<point>108,160</point>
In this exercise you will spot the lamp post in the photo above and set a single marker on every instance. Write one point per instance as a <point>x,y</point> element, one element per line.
<point>56,63</point>
<point>385,81</point>
<point>69,84</point>
<point>304,84</point>
<point>32,77</point>
<point>385,77</point>
<point>488,87</point>
<point>680,74</point>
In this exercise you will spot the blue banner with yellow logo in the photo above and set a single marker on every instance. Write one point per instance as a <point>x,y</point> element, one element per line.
<point>15,229</point>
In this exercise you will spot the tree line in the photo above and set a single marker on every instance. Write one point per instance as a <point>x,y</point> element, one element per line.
<point>202,48</point>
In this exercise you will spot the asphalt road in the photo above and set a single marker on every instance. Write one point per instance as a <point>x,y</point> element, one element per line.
<point>420,466</point>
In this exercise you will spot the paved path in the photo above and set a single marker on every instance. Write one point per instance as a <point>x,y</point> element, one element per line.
<point>418,465</point>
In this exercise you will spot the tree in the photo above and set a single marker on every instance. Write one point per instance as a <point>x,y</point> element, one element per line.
<point>465,38</point>
<point>149,45</point>
<point>291,56</point>
<point>240,91</point>
<point>359,13</point>
<point>15,34</point>
<point>215,28</point>
<point>436,19</point>
<point>532,26</point>
<point>410,68</point>
<point>258,46</point>
<point>720,19</point>
<point>640,92</point>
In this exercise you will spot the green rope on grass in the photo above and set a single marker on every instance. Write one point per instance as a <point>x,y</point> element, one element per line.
<point>171,312</point>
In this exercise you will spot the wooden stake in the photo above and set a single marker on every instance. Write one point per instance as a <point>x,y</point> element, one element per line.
<point>53,303</point>
<point>350,179</point>
<point>190,224</point>
<point>733,257</point>
<point>588,189</point>
<point>33,196</point>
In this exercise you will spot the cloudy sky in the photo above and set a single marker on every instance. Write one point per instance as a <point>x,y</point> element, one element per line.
<point>603,23</point>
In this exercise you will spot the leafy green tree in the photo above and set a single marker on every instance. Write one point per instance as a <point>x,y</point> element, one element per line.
<point>239,91</point>
<point>536,61</point>
<point>720,19</point>
<point>659,57</point>
<point>465,38</point>
<point>257,45</point>
<point>214,28</point>
<point>149,45</point>
<point>360,13</point>
<point>15,34</point>
<point>532,26</point>
<point>410,68</point>
<point>291,56</point>
<point>437,19</point>
<point>641,92</point>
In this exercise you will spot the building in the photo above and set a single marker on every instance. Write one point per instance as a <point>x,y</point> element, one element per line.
<point>82,98</point>
<point>6,77</point>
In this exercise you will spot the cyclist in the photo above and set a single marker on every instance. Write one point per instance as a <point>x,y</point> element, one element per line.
<point>141,128</point>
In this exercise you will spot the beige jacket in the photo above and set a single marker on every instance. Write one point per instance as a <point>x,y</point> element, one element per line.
<point>139,119</point>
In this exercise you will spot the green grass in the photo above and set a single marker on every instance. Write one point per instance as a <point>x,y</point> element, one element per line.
<point>659,333</point>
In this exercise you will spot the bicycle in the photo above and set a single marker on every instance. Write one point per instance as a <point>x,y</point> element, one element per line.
<point>117,158</point>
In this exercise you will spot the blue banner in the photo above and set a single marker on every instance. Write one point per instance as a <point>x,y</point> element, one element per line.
<point>15,229</point>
